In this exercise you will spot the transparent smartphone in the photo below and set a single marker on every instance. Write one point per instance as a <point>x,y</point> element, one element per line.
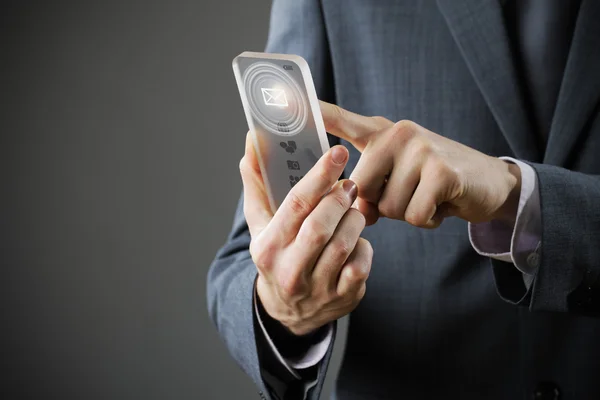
<point>283,114</point>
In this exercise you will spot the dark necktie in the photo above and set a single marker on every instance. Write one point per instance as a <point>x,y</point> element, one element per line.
<point>541,33</point>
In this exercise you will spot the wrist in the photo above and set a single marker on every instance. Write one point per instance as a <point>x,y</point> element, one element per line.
<point>264,298</point>
<point>507,213</point>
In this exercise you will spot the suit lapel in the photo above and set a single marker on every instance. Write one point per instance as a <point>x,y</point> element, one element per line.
<point>580,89</point>
<point>478,29</point>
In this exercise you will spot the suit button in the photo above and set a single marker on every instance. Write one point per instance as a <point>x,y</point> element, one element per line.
<point>546,391</point>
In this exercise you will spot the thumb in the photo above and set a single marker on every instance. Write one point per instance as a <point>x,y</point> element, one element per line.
<point>257,209</point>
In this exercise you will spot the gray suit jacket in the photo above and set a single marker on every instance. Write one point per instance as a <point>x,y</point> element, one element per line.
<point>438,320</point>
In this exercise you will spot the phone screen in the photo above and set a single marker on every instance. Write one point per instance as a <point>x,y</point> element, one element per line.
<point>284,117</point>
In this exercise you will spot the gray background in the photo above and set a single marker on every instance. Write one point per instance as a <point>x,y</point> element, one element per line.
<point>121,135</point>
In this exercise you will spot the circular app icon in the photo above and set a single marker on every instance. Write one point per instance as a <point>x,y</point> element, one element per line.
<point>276,100</point>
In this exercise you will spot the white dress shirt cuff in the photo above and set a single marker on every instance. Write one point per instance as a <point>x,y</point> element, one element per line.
<point>518,244</point>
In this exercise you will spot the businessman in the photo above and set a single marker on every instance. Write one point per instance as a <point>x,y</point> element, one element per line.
<point>456,218</point>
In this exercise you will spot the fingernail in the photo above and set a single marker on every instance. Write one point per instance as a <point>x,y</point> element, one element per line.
<point>338,154</point>
<point>350,188</point>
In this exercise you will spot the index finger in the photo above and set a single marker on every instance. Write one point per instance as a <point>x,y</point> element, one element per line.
<point>307,193</point>
<point>354,128</point>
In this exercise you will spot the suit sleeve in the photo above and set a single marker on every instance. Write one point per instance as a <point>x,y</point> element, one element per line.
<point>296,27</point>
<point>567,279</point>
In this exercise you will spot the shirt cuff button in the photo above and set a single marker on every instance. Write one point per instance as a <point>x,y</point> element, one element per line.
<point>533,260</point>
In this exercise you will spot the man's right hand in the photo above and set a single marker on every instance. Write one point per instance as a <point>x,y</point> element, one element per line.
<point>312,263</point>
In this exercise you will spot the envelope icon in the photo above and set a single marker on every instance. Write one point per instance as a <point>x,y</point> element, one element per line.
<point>274,97</point>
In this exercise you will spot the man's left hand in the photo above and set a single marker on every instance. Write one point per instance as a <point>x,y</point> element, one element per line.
<point>409,173</point>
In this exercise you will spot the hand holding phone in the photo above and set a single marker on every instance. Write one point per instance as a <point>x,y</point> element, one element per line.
<point>312,264</point>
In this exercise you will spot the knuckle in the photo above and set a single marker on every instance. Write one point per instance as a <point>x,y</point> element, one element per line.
<point>362,271</point>
<point>380,121</point>
<point>357,218</point>
<point>353,273</point>
<point>388,207</point>
<point>290,285</point>
<point>420,148</point>
<point>404,130</point>
<point>262,252</point>
<point>341,249</point>
<point>415,218</point>
<point>367,248</point>
<point>412,219</point>
<point>323,175</point>
<point>298,204</point>
<point>317,234</point>
<point>339,116</point>
<point>358,271</point>
<point>407,126</point>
